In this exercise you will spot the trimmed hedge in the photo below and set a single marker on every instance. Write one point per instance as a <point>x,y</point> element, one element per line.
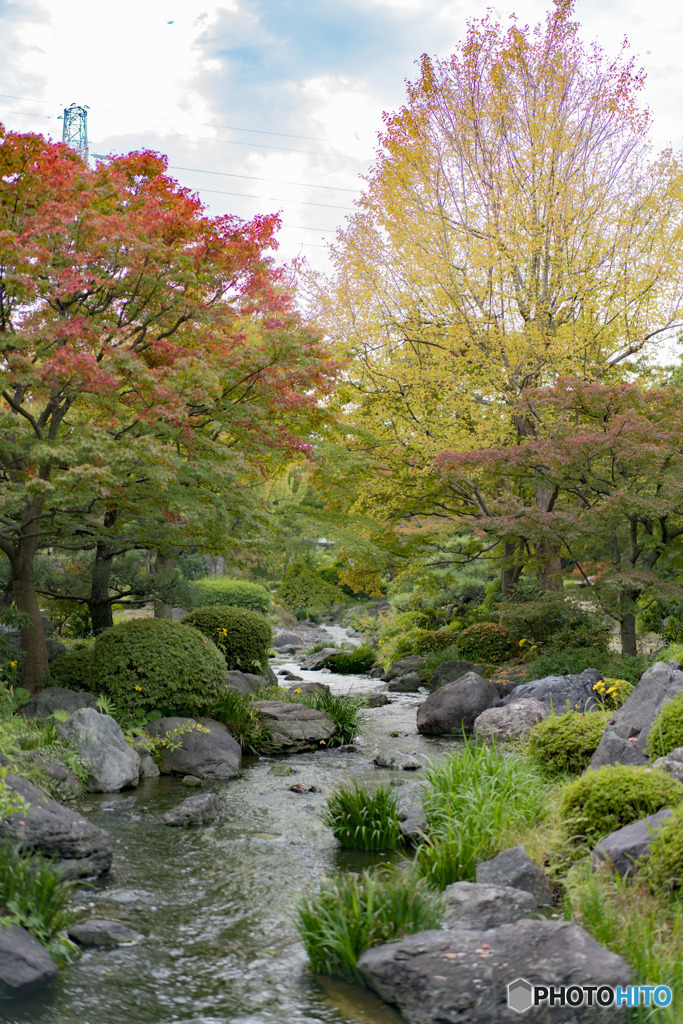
<point>485,641</point>
<point>155,665</point>
<point>243,637</point>
<point>213,590</point>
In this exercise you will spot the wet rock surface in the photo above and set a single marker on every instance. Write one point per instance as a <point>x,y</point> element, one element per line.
<point>208,752</point>
<point>25,965</point>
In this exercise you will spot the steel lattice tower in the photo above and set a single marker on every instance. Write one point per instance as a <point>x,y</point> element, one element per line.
<point>75,129</point>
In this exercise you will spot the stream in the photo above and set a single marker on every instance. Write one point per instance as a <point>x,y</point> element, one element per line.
<point>216,904</point>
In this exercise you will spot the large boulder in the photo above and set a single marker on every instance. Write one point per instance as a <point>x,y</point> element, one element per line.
<point>112,762</point>
<point>625,738</point>
<point>203,748</point>
<point>57,698</point>
<point>50,763</point>
<point>559,693</point>
<point>625,849</point>
<point>477,905</point>
<point>461,976</point>
<point>195,810</point>
<point>25,965</point>
<point>512,722</point>
<point>246,682</point>
<point>455,707</point>
<point>82,849</point>
<point>402,667</point>
<point>409,683</point>
<point>293,727</point>
<point>318,660</point>
<point>514,867</point>
<point>287,638</point>
<point>451,671</point>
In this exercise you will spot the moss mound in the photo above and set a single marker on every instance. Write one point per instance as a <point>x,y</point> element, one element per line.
<point>667,729</point>
<point>664,868</point>
<point>564,744</point>
<point>244,637</point>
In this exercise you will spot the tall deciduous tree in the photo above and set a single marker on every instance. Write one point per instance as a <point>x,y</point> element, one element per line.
<point>136,335</point>
<point>514,227</point>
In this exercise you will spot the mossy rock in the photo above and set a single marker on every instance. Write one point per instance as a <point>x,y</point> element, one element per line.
<point>243,636</point>
<point>564,744</point>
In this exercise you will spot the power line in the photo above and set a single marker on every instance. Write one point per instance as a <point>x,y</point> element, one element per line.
<point>251,177</point>
<point>274,199</point>
<point>249,145</point>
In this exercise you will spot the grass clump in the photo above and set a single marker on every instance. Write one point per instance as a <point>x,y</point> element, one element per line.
<point>564,744</point>
<point>472,799</point>
<point>664,867</point>
<point>667,729</point>
<point>363,820</point>
<point>237,712</point>
<point>352,912</point>
<point>34,894</point>
<point>360,659</point>
<point>601,801</point>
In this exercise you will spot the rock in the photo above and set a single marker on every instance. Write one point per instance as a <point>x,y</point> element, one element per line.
<point>25,965</point>
<point>82,849</point>
<point>398,762</point>
<point>301,787</point>
<point>267,678</point>
<point>148,767</point>
<point>120,804</point>
<point>377,672</point>
<point>287,649</point>
<point>195,810</point>
<point>514,867</point>
<point>409,683</point>
<point>287,638</point>
<point>293,727</point>
<point>99,932</point>
<point>309,688</point>
<point>671,763</point>
<point>402,667</point>
<point>561,692</point>
<point>512,722</point>
<point>65,784</point>
<point>376,700</point>
<point>454,707</point>
<point>625,738</point>
<point>451,671</point>
<point>191,781</point>
<point>318,660</point>
<point>482,906</point>
<point>412,818</point>
<point>448,977</point>
<point>240,682</point>
<point>624,847</point>
<point>209,752</point>
<point>282,769</point>
<point>290,677</point>
<point>57,698</point>
<point>112,763</point>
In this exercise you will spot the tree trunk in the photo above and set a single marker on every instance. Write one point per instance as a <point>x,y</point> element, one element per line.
<point>35,670</point>
<point>627,603</point>
<point>548,562</point>
<point>161,609</point>
<point>509,574</point>
<point>99,604</point>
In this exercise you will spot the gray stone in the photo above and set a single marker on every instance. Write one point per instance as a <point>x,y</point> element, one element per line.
<point>454,707</point>
<point>451,671</point>
<point>100,932</point>
<point>514,867</point>
<point>191,781</point>
<point>290,677</point>
<point>624,848</point>
<point>195,810</point>
<point>512,722</point>
<point>625,738</point>
<point>318,660</point>
<point>671,763</point>
<point>25,965</point>
<point>461,976</point>
<point>148,767</point>
<point>561,692</point>
<point>65,784</point>
<point>412,818</point>
<point>57,698</point>
<point>409,683</point>
<point>478,905</point>
<point>82,849</point>
<point>287,638</point>
<point>309,688</point>
<point>402,667</point>
<point>377,672</point>
<point>206,749</point>
<point>398,762</point>
<point>112,762</point>
<point>293,727</point>
<point>377,700</point>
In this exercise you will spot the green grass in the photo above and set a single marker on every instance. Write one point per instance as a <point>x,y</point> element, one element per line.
<point>360,659</point>
<point>33,894</point>
<point>361,819</point>
<point>237,712</point>
<point>472,799</point>
<point>349,913</point>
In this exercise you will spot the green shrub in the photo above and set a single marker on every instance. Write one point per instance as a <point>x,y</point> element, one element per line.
<point>563,661</point>
<point>220,590</point>
<point>664,867</point>
<point>485,641</point>
<point>363,820</point>
<point>564,744</point>
<point>35,896</point>
<point>155,665</point>
<point>667,729</point>
<point>243,636</point>
<point>360,659</point>
<point>429,640</point>
<point>472,798</point>
<point>556,621</point>
<point>305,592</point>
<point>72,668</point>
<point>350,913</point>
<point>601,801</point>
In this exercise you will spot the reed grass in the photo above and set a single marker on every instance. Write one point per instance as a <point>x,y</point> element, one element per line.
<point>363,820</point>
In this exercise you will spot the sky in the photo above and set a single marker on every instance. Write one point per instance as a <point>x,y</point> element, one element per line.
<point>274,105</point>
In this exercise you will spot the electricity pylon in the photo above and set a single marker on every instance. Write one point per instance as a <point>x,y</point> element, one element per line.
<point>75,129</point>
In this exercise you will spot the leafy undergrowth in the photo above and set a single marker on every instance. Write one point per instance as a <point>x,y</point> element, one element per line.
<point>33,894</point>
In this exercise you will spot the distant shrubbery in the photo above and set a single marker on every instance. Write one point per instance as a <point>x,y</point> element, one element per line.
<point>485,641</point>
<point>213,590</point>
<point>360,659</point>
<point>306,593</point>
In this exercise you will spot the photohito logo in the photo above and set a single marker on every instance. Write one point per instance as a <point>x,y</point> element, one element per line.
<point>522,995</point>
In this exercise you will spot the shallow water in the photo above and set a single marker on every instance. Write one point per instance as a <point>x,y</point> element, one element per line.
<point>215,904</point>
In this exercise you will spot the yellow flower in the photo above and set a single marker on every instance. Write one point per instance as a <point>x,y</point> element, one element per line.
<point>139,688</point>
<point>298,691</point>
<point>13,664</point>
<point>523,641</point>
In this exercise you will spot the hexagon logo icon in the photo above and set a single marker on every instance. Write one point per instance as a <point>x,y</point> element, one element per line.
<point>520,995</point>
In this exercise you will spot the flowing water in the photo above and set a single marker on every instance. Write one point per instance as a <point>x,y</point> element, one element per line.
<point>216,904</point>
